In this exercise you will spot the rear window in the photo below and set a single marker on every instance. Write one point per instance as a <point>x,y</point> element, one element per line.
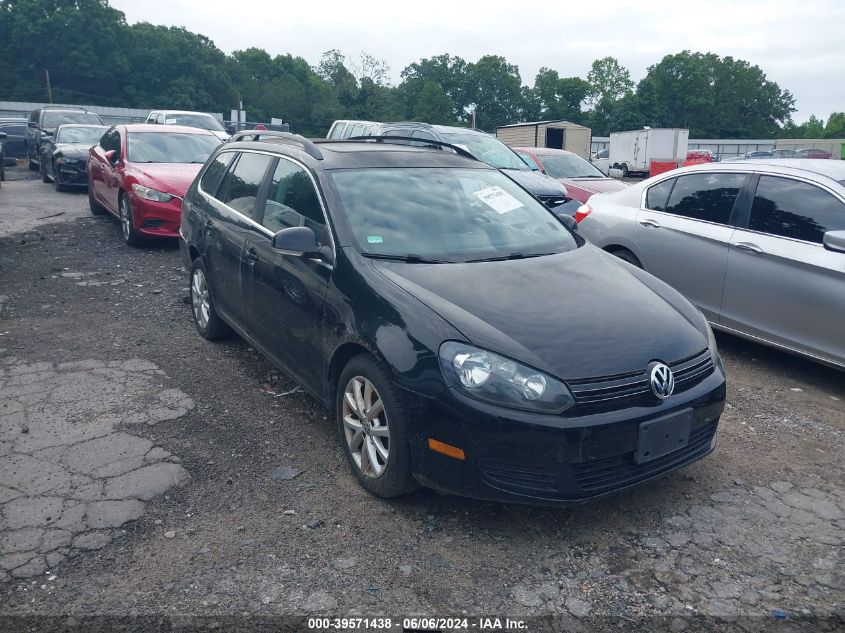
<point>707,197</point>
<point>656,196</point>
<point>55,119</point>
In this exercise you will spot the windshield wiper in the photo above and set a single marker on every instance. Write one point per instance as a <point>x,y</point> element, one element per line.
<point>504,258</point>
<point>410,258</point>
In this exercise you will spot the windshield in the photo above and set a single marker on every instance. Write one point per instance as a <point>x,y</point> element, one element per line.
<point>169,147</point>
<point>203,121</point>
<point>454,215</point>
<point>486,148</point>
<point>81,135</point>
<point>55,119</point>
<point>569,166</point>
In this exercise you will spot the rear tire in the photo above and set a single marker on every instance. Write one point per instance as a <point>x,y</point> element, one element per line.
<point>391,477</point>
<point>625,171</point>
<point>42,168</point>
<point>626,255</point>
<point>33,166</point>
<point>209,325</point>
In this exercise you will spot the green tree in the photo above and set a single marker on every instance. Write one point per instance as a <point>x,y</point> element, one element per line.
<point>433,105</point>
<point>714,97</point>
<point>495,90</point>
<point>448,72</point>
<point>608,80</point>
<point>835,127</point>
<point>560,98</point>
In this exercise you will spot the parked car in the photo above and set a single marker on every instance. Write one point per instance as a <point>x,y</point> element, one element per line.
<point>811,152</point>
<point>15,130</point>
<point>187,118</point>
<point>698,156</point>
<point>140,173</point>
<point>64,155</point>
<point>428,301</point>
<point>758,246</point>
<point>345,129</point>
<point>486,148</point>
<point>580,178</point>
<point>779,152</point>
<point>758,154</point>
<point>43,123</point>
<point>601,161</point>
<point>2,156</point>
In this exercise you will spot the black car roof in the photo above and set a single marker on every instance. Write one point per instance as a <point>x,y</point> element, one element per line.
<point>363,154</point>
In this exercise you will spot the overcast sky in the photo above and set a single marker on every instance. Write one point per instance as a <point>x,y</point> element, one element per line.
<point>797,44</point>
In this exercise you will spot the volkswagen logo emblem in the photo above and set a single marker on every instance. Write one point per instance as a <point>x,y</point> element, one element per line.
<point>662,380</point>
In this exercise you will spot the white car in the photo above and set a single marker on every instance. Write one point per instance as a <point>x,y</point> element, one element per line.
<point>201,120</point>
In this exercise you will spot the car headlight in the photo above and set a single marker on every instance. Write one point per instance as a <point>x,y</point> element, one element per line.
<point>711,342</point>
<point>151,194</point>
<point>486,376</point>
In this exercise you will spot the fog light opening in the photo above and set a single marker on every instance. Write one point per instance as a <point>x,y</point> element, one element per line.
<point>446,449</point>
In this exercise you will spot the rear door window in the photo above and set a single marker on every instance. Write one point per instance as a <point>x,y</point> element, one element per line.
<point>240,185</point>
<point>706,197</point>
<point>795,209</point>
<point>293,201</point>
<point>656,196</point>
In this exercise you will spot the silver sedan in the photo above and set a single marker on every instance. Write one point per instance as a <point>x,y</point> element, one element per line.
<point>758,246</point>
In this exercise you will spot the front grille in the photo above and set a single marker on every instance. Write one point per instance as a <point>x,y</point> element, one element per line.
<point>553,201</point>
<point>617,472</point>
<point>623,387</point>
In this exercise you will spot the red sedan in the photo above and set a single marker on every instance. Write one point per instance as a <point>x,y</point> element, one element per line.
<point>140,174</point>
<point>579,176</point>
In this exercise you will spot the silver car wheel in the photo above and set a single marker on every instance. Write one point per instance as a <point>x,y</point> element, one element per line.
<point>125,219</point>
<point>365,427</point>
<point>200,299</point>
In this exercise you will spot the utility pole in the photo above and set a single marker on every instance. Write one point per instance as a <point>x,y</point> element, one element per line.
<point>474,108</point>
<point>49,89</point>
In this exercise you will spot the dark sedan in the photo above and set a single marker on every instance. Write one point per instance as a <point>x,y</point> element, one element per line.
<point>64,155</point>
<point>465,338</point>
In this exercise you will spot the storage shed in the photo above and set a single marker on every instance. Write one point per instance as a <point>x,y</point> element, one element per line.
<point>558,134</point>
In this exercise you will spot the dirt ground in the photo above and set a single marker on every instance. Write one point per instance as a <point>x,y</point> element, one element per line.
<point>750,537</point>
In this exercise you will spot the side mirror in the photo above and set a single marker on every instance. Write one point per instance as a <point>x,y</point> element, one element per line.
<point>566,213</point>
<point>834,241</point>
<point>299,241</point>
<point>230,129</point>
<point>111,156</point>
<point>31,124</point>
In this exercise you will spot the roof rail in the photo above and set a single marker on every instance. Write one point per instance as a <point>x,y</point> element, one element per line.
<point>255,135</point>
<point>427,141</point>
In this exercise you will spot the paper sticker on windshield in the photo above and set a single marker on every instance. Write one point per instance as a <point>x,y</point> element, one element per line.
<point>375,239</point>
<point>498,199</point>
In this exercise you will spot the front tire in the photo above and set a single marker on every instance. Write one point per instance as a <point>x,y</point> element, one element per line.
<point>372,420</point>
<point>209,325</point>
<point>42,168</point>
<point>93,205</point>
<point>127,223</point>
<point>57,182</point>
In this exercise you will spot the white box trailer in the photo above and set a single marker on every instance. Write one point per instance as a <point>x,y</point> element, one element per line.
<point>632,152</point>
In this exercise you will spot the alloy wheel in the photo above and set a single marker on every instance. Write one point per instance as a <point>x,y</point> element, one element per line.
<point>125,219</point>
<point>365,427</point>
<point>200,299</point>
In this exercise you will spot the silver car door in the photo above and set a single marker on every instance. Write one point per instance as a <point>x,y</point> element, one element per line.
<point>781,284</point>
<point>685,242</point>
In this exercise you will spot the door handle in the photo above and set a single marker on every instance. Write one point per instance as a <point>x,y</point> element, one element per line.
<point>209,227</point>
<point>649,222</point>
<point>252,255</point>
<point>748,247</point>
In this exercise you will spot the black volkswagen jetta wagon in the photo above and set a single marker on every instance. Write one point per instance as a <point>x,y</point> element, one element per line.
<point>465,337</point>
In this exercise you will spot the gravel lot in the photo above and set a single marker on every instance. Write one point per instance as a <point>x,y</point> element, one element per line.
<point>109,396</point>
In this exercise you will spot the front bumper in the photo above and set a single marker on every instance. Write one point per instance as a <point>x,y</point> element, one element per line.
<point>72,174</point>
<point>156,219</point>
<point>552,460</point>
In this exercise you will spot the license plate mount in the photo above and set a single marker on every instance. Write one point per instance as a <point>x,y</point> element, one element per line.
<point>662,436</point>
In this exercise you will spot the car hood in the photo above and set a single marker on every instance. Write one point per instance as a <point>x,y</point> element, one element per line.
<point>223,136</point>
<point>582,188</point>
<point>73,150</point>
<point>579,314</point>
<point>172,178</point>
<point>537,183</point>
